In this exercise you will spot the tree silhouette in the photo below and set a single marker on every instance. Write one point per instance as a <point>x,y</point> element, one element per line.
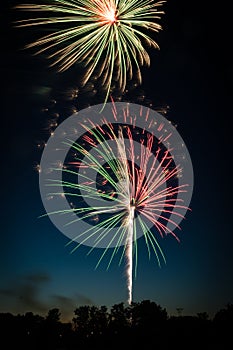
<point>203,316</point>
<point>121,326</point>
<point>82,319</point>
<point>147,314</point>
<point>98,320</point>
<point>225,315</point>
<point>119,317</point>
<point>53,315</point>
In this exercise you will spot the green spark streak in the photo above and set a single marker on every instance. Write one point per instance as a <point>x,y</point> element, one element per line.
<point>95,164</point>
<point>135,248</point>
<point>111,223</point>
<point>149,238</point>
<point>122,231</point>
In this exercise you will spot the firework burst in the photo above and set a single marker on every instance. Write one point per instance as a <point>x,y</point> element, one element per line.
<point>108,37</point>
<point>119,179</point>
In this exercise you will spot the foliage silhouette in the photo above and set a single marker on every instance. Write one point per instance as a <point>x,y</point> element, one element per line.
<point>121,326</point>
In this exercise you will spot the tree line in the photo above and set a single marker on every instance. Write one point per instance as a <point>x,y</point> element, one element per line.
<point>120,326</point>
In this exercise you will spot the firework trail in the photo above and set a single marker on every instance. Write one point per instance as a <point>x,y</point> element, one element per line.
<point>106,37</point>
<point>126,188</point>
<point>117,179</point>
<point>129,254</point>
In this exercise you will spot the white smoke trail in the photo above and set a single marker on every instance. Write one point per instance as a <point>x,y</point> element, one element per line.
<point>125,187</point>
<point>129,254</point>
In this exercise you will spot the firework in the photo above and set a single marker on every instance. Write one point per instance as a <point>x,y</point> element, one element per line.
<point>107,37</point>
<point>118,179</point>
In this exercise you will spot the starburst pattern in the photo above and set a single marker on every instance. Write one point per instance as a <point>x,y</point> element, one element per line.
<point>109,178</point>
<point>108,37</point>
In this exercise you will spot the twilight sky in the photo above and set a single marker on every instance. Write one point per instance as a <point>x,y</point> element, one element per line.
<point>193,74</point>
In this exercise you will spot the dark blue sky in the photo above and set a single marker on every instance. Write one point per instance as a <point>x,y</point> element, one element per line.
<point>193,74</point>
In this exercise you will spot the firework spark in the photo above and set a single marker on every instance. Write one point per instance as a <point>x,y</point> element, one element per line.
<point>108,37</point>
<point>122,181</point>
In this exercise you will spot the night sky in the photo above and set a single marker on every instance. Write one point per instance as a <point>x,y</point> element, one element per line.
<point>193,74</point>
